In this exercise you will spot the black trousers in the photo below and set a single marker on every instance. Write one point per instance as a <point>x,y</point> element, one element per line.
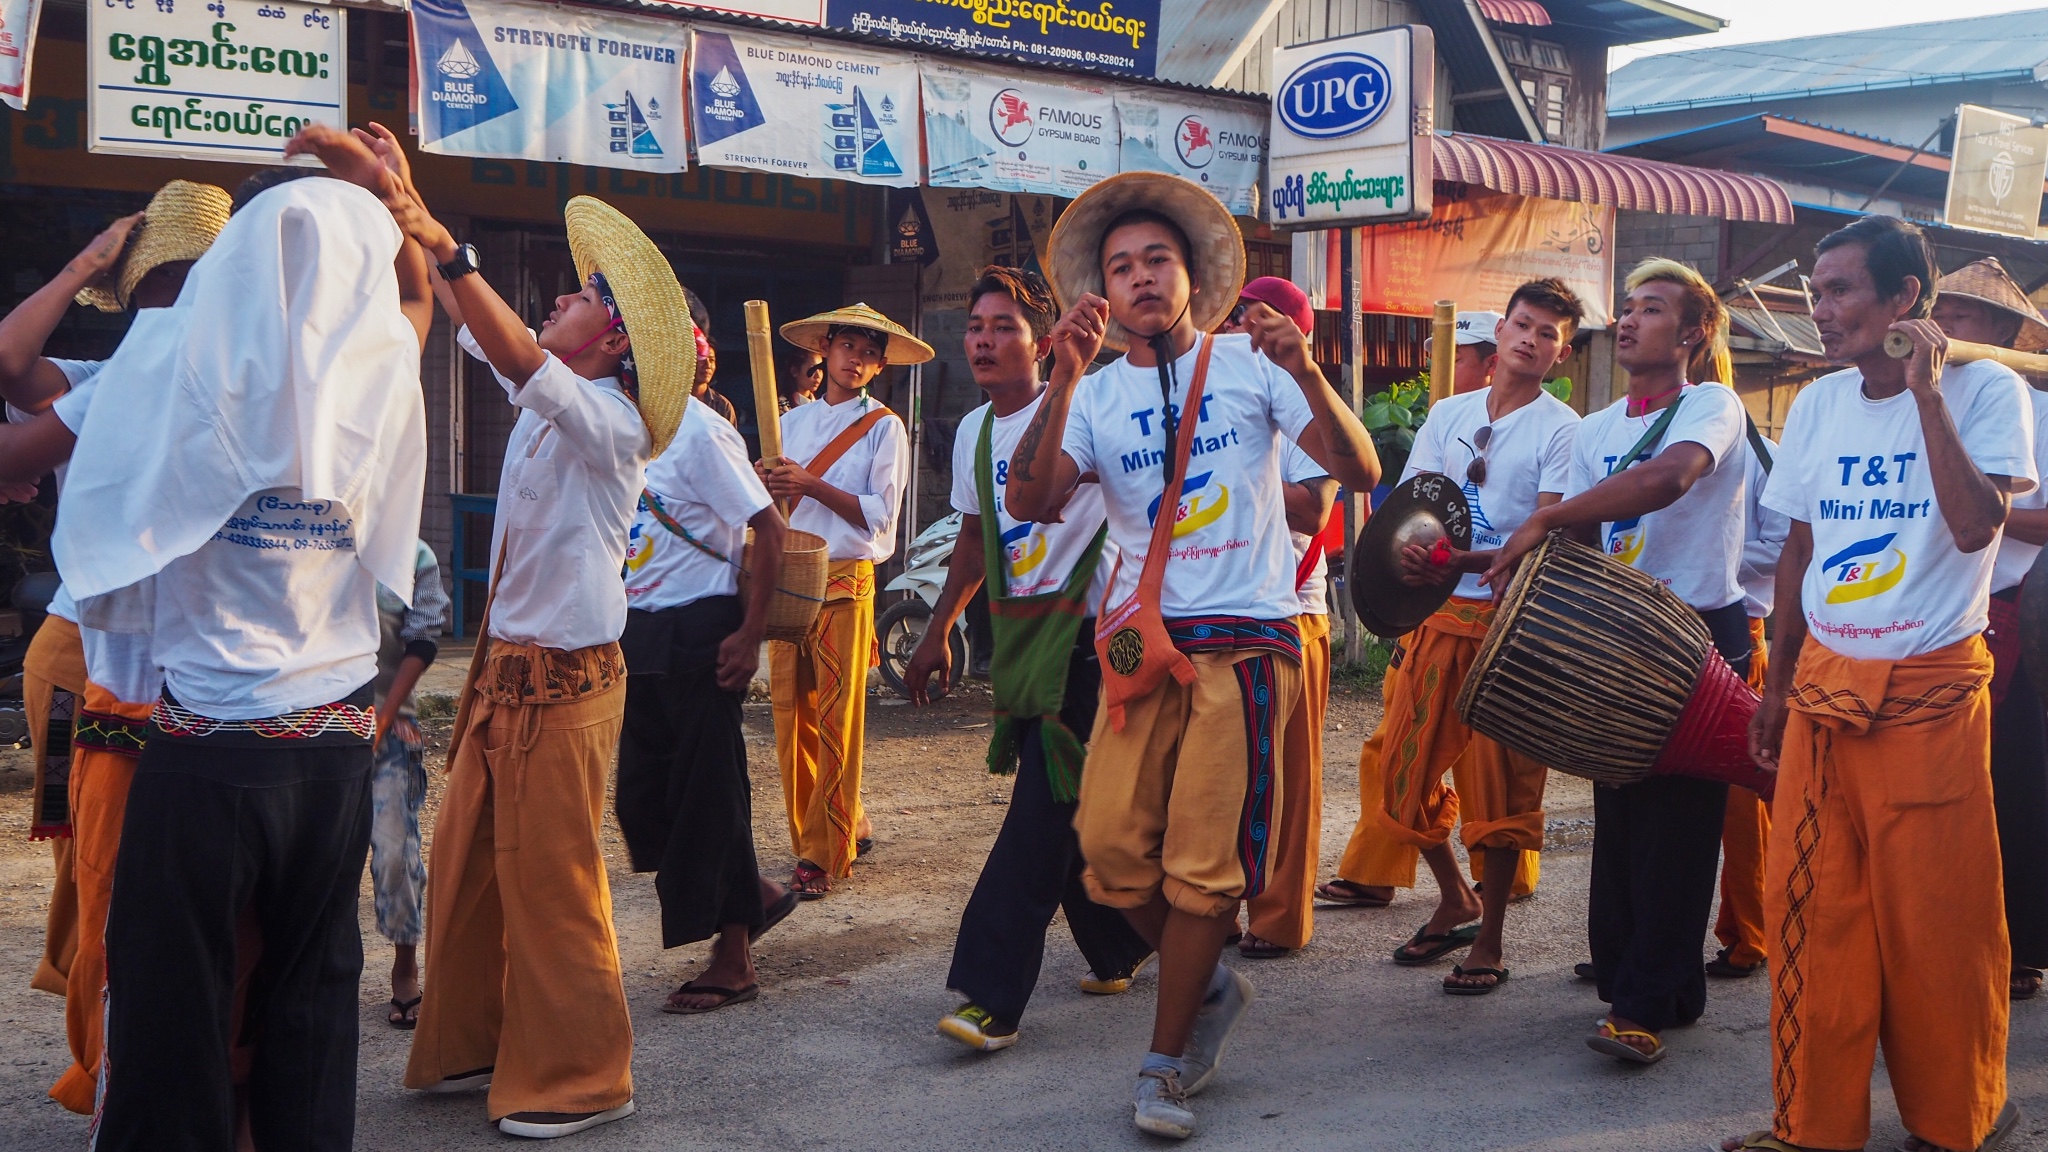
<point>683,800</point>
<point>215,827</point>
<point>2019,789</point>
<point>1034,869</point>
<point>1656,853</point>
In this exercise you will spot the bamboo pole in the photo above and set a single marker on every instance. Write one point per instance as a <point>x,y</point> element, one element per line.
<point>761,360</point>
<point>1898,346</point>
<point>1443,347</point>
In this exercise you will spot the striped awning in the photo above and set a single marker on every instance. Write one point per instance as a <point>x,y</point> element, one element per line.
<point>1514,12</point>
<point>1555,173</point>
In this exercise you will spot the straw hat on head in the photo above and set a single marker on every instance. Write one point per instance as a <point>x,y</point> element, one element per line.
<point>1987,282</point>
<point>651,303</point>
<point>903,348</point>
<point>1075,263</point>
<point>180,223</point>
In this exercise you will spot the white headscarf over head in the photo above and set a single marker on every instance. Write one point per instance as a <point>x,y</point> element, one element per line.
<point>285,363</point>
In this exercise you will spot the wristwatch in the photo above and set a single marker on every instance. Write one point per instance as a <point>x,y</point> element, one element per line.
<point>464,263</point>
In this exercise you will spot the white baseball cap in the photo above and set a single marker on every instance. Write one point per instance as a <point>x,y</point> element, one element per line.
<point>1471,328</point>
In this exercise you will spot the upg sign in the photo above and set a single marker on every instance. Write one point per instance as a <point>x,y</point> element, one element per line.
<point>1335,95</point>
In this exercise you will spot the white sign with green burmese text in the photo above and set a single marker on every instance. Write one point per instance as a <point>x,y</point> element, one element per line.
<point>1350,130</point>
<point>227,80</point>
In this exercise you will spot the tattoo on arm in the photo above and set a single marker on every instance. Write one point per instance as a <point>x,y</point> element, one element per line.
<point>1027,445</point>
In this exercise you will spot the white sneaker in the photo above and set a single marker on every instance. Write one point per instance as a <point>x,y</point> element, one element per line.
<point>1159,1106</point>
<point>1213,1025</point>
<point>550,1125</point>
<point>461,1082</point>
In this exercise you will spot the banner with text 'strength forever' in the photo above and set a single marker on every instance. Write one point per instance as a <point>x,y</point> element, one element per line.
<point>984,129</point>
<point>215,80</point>
<point>1111,35</point>
<point>804,107</point>
<point>527,81</point>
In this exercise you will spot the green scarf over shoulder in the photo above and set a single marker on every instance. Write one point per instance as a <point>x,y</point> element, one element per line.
<point>1034,640</point>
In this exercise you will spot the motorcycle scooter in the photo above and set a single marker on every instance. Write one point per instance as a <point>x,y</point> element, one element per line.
<point>901,626</point>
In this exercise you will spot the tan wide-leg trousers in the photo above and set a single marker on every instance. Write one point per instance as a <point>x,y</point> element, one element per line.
<point>522,964</point>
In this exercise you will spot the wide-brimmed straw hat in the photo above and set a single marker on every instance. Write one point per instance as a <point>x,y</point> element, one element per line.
<point>651,302</point>
<point>1986,281</point>
<point>903,348</point>
<point>180,223</point>
<point>1075,263</point>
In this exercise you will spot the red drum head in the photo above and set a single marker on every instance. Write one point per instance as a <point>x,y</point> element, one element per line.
<point>1711,741</point>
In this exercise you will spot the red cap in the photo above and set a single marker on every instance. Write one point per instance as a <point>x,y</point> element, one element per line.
<point>1282,297</point>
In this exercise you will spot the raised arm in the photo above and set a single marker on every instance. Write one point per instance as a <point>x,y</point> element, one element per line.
<point>1042,475</point>
<point>1334,438</point>
<point>1309,503</point>
<point>28,380</point>
<point>29,451</point>
<point>1973,504</point>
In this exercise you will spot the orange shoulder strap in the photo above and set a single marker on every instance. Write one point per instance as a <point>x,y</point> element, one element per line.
<point>846,439</point>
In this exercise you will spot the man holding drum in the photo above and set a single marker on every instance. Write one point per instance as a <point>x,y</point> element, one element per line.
<point>1678,516</point>
<point>1510,446</point>
<point>1883,877</point>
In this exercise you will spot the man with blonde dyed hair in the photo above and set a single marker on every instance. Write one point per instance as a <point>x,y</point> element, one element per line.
<point>1678,517</point>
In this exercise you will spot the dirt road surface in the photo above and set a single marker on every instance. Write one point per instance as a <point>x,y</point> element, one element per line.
<point>1342,1050</point>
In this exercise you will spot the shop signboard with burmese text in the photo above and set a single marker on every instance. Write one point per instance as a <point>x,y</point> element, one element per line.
<point>1005,133</point>
<point>1107,35</point>
<point>1478,246</point>
<point>1994,179</point>
<point>1351,120</point>
<point>804,107</point>
<point>228,80</point>
<point>1218,144</point>
<point>526,81</point>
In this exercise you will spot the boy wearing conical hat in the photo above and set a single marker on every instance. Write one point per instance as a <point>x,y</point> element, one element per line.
<point>524,993</point>
<point>843,467</point>
<point>1201,660</point>
<point>1980,303</point>
<point>87,711</point>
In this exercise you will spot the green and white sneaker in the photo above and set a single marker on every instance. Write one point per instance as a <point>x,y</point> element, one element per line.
<point>973,1026</point>
<point>1159,1106</point>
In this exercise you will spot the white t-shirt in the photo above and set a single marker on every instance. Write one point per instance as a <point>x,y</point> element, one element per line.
<point>1314,591</point>
<point>273,614</point>
<point>873,471</point>
<point>2015,557</point>
<point>1887,581</point>
<point>1695,545</point>
<point>1230,553</point>
<point>1528,452</point>
<point>706,484</point>
<point>1763,537</point>
<point>1039,556</point>
<point>84,377</point>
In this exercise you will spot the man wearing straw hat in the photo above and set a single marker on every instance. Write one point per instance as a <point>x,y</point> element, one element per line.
<point>1979,302</point>
<point>1201,660</point>
<point>524,993</point>
<point>692,642</point>
<point>844,464</point>
<point>1882,886</point>
<point>101,684</point>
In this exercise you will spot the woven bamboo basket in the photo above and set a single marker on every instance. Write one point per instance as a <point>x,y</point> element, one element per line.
<point>801,592</point>
<point>1588,665</point>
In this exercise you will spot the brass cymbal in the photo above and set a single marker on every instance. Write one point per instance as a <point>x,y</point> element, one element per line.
<point>1423,509</point>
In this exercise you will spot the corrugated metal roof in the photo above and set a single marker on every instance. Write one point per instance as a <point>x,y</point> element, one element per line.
<point>2011,45</point>
<point>1554,173</point>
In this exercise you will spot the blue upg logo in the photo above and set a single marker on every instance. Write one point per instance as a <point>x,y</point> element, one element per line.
<point>1335,95</point>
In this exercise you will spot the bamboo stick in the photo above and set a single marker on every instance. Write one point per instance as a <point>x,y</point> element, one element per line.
<point>761,360</point>
<point>1898,346</point>
<point>1442,348</point>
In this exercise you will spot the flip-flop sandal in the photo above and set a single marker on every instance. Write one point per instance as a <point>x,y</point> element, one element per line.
<point>1584,971</point>
<point>1500,977</point>
<point>1607,1041</point>
<point>400,1016</point>
<point>809,881</point>
<point>1762,1141</point>
<point>1345,894</point>
<point>727,997</point>
<point>1723,968</point>
<point>2025,984</point>
<point>2008,1119</point>
<point>862,848</point>
<point>1437,946</point>
<point>777,913</point>
<point>1254,948</point>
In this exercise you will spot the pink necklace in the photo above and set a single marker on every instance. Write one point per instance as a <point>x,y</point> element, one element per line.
<point>1642,407</point>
